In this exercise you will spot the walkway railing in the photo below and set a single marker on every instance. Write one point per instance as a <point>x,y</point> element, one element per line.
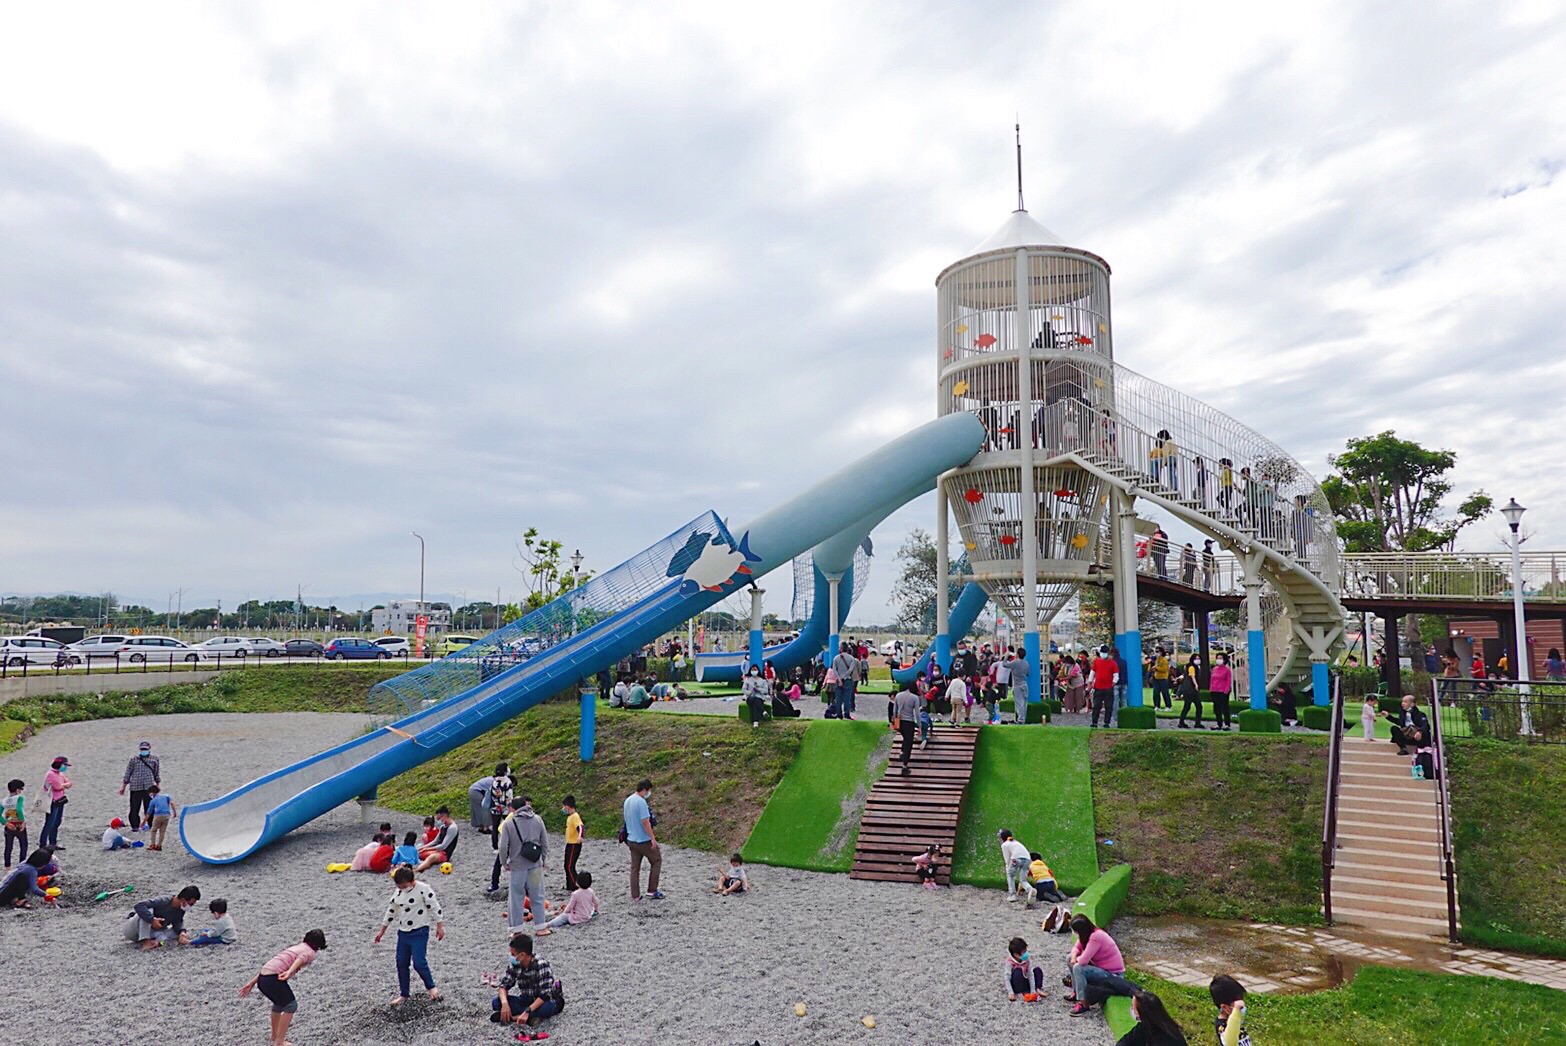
<point>1443,798</point>
<point>1453,575</point>
<point>1503,710</point>
<point>1329,821</point>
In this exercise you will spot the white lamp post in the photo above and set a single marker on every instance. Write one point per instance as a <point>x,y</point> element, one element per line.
<point>1514,514</point>
<point>576,567</point>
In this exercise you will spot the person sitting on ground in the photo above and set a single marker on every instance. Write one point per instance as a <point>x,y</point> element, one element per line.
<point>924,866</point>
<point>112,837</point>
<point>275,975</point>
<point>1229,996</point>
<point>1095,957</point>
<point>365,854</point>
<point>408,852</point>
<point>221,931</point>
<point>732,878</point>
<point>1041,882</point>
<point>441,849</point>
<point>1023,978</point>
<point>153,923</point>
<point>637,698</point>
<point>783,703</point>
<point>22,883</point>
<point>529,993</point>
<point>381,861</point>
<point>580,907</point>
<point>1154,1027</point>
<point>429,833</point>
<point>1286,704</point>
<point>1408,720</point>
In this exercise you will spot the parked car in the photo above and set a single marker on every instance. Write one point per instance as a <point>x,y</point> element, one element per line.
<point>224,646</point>
<point>395,645</point>
<point>303,648</point>
<point>158,649</point>
<point>99,646</point>
<point>354,649</point>
<point>266,648</point>
<point>17,651</point>
<point>452,644</point>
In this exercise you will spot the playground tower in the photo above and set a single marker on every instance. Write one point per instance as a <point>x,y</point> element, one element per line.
<point>1025,341</point>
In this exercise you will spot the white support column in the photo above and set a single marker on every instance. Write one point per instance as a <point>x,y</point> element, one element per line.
<point>1255,640</point>
<point>943,566</point>
<point>1318,641</point>
<point>1128,628</point>
<point>1021,284</point>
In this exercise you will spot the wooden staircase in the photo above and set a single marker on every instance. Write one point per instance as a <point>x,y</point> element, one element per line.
<point>1388,871</point>
<point>903,815</point>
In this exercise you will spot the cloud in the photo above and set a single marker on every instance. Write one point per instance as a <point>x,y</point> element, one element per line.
<point>279,285</point>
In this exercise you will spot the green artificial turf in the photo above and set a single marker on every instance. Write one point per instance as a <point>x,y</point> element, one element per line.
<point>1225,826</point>
<point>10,731</point>
<point>1034,781</point>
<point>1383,1006</point>
<point>1509,833</point>
<point>812,819</point>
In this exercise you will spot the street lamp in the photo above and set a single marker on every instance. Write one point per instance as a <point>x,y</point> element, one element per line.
<point>1514,514</point>
<point>420,606</point>
<point>576,567</point>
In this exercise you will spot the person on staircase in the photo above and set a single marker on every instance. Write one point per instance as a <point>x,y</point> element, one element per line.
<point>1405,723</point>
<point>906,706</point>
<point>1221,683</point>
<point>1209,566</point>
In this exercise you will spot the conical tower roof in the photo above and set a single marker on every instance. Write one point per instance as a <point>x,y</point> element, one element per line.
<point>1020,230</point>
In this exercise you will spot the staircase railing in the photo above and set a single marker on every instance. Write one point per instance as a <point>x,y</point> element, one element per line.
<point>1443,799</point>
<point>1329,821</point>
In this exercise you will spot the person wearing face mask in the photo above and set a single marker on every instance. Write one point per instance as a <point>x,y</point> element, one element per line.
<point>757,692</point>
<point>142,774</point>
<point>1154,1027</point>
<point>1022,977</point>
<point>1221,684</point>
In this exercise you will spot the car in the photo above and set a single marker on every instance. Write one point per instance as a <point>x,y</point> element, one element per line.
<point>99,646</point>
<point>17,651</point>
<point>266,648</point>
<point>353,649</point>
<point>303,648</point>
<point>158,649</point>
<point>395,645</point>
<point>452,644</point>
<point>219,647</point>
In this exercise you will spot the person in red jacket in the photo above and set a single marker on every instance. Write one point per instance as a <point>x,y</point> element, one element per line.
<point>380,863</point>
<point>1105,675</point>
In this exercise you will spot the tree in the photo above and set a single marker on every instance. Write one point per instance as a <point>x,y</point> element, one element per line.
<point>539,561</point>
<point>913,593</point>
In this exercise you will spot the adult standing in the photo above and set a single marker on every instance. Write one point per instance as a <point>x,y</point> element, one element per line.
<point>1105,675</point>
<point>478,804</point>
<point>524,846</point>
<point>1158,546</point>
<point>1076,682</point>
<point>1000,671</point>
<point>141,774</point>
<point>56,784</point>
<point>1221,684</point>
<point>1160,674</point>
<point>1209,565</point>
<point>642,842</point>
<point>1188,565</point>
<point>845,667</point>
<point>905,707</point>
<point>1018,672</point>
<point>1016,858</point>
<point>965,662</point>
<point>1122,677</point>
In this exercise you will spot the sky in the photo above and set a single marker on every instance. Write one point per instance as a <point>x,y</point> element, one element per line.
<point>282,283</point>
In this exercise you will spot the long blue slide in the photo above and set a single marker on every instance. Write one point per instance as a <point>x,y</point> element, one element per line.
<point>451,701</point>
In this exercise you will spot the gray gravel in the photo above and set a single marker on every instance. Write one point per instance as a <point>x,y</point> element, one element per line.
<point>692,969</point>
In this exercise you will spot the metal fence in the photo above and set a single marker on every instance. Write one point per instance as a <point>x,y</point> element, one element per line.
<point>1503,710</point>
<point>89,664</point>
<point>1453,575</point>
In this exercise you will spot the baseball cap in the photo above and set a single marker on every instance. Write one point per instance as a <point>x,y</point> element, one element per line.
<point>60,762</point>
<point>116,823</point>
<point>145,746</point>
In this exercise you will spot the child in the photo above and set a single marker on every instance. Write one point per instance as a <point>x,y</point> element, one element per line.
<point>408,852</point>
<point>1229,997</point>
<point>275,975</point>
<point>573,840</point>
<point>924,866</point>
<point>160,808</point>
<point>413,907</point>
<point>581,908</point>
<point>529,992</point>
<point>430,831</point>
<point>11,808</point>
<point>1368,715</point>
<point>1022,977</point>
<point>221,931</point>
<point>365,854</point>
<point>1042,882</point>
<point>925,723</point>
<point>732,879</point>
<point>112,839</point>
<point>380,864</point>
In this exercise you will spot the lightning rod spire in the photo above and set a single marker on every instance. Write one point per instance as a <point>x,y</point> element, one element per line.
<point>1020,207</point>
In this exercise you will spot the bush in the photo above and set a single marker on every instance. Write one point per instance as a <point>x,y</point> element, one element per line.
<point>744,713</point>
<point>1137,717</point>
<point>1260,721</point>
<point>1316,717</point>
<point>1036,712</point>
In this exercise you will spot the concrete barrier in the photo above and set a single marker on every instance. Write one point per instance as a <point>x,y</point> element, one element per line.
<point>36,683</point>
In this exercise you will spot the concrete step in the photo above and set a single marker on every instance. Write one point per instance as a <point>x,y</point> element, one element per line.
<point>1392,792</point>
<point>1396,925</point>
<point>1422,888</point>
<point>1390,877</point>
<point>1421,905</point>
<point>1366,765</point>
<point>1403,812</point>
<point>1376,779</point>
<point>1371,826</point>
<point>1377,864</point>
<point>1389,843</point>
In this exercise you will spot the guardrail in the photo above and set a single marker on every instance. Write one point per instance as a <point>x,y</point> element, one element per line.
<point>1453,575</point>
<point>82,663</point>
<point>1503,710</point>
<point>1443,798</point>
<point>1329,821</point>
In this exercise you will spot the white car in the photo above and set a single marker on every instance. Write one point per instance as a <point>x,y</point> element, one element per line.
<point>266,648</point>
<point>17,651</point>
<point>224,646</point>
<point>98,646</point>
<point>158,650</point>
<point>397,646</point>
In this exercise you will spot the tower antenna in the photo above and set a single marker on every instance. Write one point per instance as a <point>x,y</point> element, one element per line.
<point>1020,207</point>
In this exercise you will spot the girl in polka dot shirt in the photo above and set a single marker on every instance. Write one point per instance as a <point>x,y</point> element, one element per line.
<point>413,909</point>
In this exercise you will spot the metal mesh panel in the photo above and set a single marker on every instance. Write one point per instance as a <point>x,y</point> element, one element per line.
<point>988,506</point>
<point>805,581</point>
<point>1068,296</point>
<point>534,634</point>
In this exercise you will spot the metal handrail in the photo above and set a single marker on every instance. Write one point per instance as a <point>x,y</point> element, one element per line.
<point>1448,869</point>
<point>1453,575</point>
<point>1329,821</point>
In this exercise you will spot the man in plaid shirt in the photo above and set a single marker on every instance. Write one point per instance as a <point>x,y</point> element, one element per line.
<point>141,773</point>
<point>529,992</point>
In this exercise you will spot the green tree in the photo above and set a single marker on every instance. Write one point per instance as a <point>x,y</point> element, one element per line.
<point>1388,495</point>
<point>539,562</point>
<point>913,593</point>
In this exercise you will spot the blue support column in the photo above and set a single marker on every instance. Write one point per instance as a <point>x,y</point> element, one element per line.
<point>1256,666</point>
<point>943,652</point>
<point>1030,645</point>
<point>756,647</point>
<point>1321,683</point>
<point>589,730</point>
<point>1131,649</point>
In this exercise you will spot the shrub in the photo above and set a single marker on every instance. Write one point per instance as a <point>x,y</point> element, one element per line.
<point>744,712</point>
<point>1316,717</point>
<point>1260,721</point>
<point>1137,717</point>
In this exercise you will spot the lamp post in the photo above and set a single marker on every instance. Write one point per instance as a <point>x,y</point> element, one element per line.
<point>419,611</point>
<point>1514,514</point>
<point>576,567</point>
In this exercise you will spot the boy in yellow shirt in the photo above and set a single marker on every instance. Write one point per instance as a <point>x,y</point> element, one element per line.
<point>573,839</point>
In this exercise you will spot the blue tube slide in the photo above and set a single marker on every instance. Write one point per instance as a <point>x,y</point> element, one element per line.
<point>959,620</point>
<point>233,826</point>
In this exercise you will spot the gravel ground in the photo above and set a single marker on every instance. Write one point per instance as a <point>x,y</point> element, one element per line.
<point>691,969</point>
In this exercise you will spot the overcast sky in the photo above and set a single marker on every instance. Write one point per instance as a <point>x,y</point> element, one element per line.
<point>283,282</point>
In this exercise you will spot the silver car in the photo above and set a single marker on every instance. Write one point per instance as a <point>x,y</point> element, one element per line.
<point>17,651</point>
<point>158,650</point>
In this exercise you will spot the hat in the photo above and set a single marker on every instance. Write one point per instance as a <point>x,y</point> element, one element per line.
<point>1103,650</point>
<point>60,762</point>
<point>116,823</point>
<point>145,746</point>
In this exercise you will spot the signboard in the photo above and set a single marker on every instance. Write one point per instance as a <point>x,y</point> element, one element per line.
<point>421,627</point>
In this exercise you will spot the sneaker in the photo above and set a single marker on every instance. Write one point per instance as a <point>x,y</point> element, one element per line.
<point>1081,1009</point>
<point>656,895</point>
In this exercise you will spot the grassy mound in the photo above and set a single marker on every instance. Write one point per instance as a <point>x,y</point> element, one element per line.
<point>1383,1006</point>
<point>1228,827</point>
<point>711,774</point>
<point>1509,827</point>
<point>1035,782</point>
<point>812,820</point>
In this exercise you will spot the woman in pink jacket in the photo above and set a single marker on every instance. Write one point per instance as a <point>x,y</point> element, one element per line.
<point>1095,958</point>
<point>1221,684</point>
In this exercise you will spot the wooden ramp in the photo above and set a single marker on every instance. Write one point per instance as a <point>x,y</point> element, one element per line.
<point>903,815</point>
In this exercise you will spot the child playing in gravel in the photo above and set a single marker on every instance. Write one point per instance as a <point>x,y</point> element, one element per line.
<point>161,809</point>
<point>1023,979</point>
<point>732,879</point>
<point>13,812</point>
<point>408,852</point>
<point>274,977</point>
<point>1041,881</point>
<point>221,931</point>
<point>113,839</point>
<point>582,906</point>
<point>924,866</point>
<point>1229,996</point>
<point>413,907</point>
